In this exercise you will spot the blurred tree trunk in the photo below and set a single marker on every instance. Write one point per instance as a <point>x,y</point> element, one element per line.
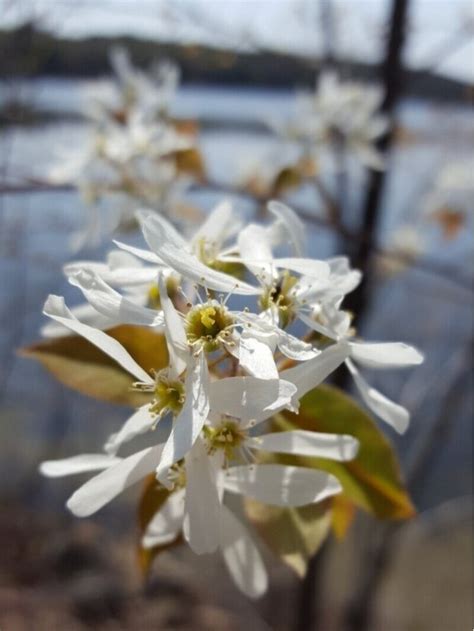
<point>392,77</point>
<point>309,610</point>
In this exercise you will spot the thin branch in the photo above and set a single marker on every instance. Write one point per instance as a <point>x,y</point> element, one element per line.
<point>330,222</point>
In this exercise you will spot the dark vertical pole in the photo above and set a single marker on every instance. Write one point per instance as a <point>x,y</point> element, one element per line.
<point>392,74</point>
<point>309,609</point>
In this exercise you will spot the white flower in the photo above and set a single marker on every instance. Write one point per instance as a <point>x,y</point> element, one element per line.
<point>344,113</point>
<point>333,323</point>
<point>195,505</point>
<point>291,286</point>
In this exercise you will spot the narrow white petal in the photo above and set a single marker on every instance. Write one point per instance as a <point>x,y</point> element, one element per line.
<point>111,304</point>
<point>174,331</point>
<point>141,421</point>
<point>145,255</point>
<point>202,506</point>
<point>148,219</point>
<point>256,357</point>
<point>188,265</point>
<point>392,413</point>
<point>385,354</point>
<point>339,447</point>
<point>309,267</point>
<point>256,253</point>
<point>84,312</point>
<point>280,484</point>
<point>124,276</point>
<point>311,373</point>
<point>101,489</point>
<point>189,423</point>
<point>166,524</point>
<point>249,398</point>
<point>217,226</point>
<point>241,556</point>
<point>56,309</point>
<point>316,326</point>
<point>294,348</point>
<point>76,464</point>
<point>292,227</point>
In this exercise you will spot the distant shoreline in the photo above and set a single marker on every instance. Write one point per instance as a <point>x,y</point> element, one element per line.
<point>27,52</point>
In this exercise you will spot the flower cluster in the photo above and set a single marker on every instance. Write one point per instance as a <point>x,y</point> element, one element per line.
<point>230,307</point>
<point>131,157</point>
<point>342,114</point>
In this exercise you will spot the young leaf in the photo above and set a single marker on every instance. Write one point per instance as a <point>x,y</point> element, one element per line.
<point>80,365</point>
<point>190,161</point>
<point>343,513</point>
<point>372,480</point>
<point>293,534</point>
<point>153,497</point>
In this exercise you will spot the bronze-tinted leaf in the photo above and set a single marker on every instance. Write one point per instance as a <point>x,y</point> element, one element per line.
<point>293,534</point>
<point>372,480</point>
<point>190,161</point>
<point>451,221</point>
<point>153,497</point>
<point>80,365</point>
<point>343,513</point>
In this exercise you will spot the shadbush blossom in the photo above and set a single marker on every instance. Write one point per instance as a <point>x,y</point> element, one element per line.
<point>229,371</point>
<point>342,114</point>
<point>135,151</point>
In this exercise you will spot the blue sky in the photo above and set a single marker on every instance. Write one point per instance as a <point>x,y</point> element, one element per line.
<point>436,26</point>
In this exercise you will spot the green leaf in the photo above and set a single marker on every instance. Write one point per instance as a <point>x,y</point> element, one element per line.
<point>80,365</point>
<point>372,480</point>
<point>153,497</point>
<point>293,534</point>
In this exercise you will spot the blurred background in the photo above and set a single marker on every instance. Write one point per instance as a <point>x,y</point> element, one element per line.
<point>409,227</point>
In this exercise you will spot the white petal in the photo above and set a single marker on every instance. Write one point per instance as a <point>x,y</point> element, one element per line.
<point>56,309</point>
<point>241,556</point>
<point>174,330</point>
<point>256,357</point>
<point>101,489</point>
<point>86,314</point>
<point>217,226</point>
<point>76,464</point>
<point>385,354</point>
<point>311,373</point>
<point>395,415</point>
<point>125,276</point>
<point>303,443</point>
<point>189,423</point>
<point>202,506</point>
<point>309,267</point>
<point>172,235</point>
<point>188,265</point>
<point>316,326</point>
<point>138,423</point>
<point>145,255</point>
<point>256,253</point>
<point>248,398</point>
<point>293,228</point>
<point>111,304</point>
<point>281,485</point>
<point>295,348</point>
<point>166,524</point>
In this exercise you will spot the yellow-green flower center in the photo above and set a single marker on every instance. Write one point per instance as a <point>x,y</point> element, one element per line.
<point>208,325</point>
<point>207,253</point>
<point>154,299</point>
<point>169,396</point>
<point>281,296</point>
<point>228,436</point>
<point>177,475</point>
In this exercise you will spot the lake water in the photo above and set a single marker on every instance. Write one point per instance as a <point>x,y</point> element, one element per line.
<point>40,418</point>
